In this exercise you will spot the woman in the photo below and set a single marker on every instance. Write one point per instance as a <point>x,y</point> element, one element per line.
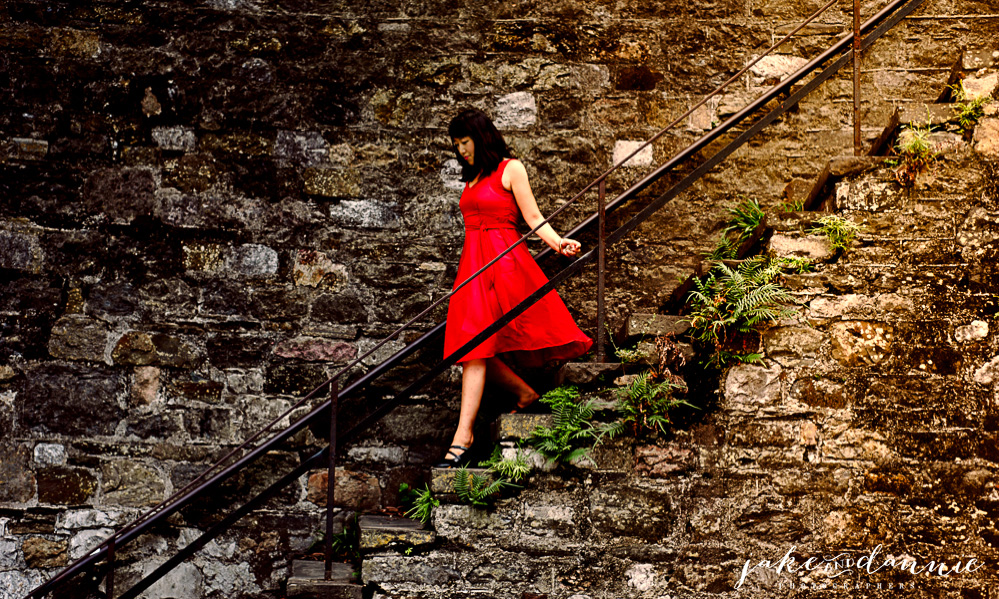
<point>496,194</point>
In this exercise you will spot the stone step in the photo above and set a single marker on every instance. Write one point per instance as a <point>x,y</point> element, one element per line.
<point>442,479</point>
<point>921,115</point>
<point>308,581</point>
<point>381,532</point>
<point>512,427</point>
<point>584,374</point>
<point>643,326</point>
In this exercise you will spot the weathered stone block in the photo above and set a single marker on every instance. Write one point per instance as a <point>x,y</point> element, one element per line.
<point>623,149</point>
<point>427,571</point>
<point>656,461</point>
<point>978,329</point>
<point>789,345</point>
<point>20,251</point>
<point>71,399</point>
<point>860,343</point>
<point>332,183</point>
<point>379,532</point>
<point>378,455</point>
<point>634,509</point>
<point>286,379</point>
<point>987,373</point>
<point>750,387</point>
<point>346,307</point>
<point>313,268</point>
<point>17,481</point>
<point>366,214</point>
<point>251,261</point>
<point>980,86</point>
<point>131,484</point>
<point>30,149</point>
<point>179,139</point>
<point>76,337</point>
<point>303,148</point>
<point>40,552</point>
<point>775,68</point>
<point>638,326</point>
<point>50,454</point>
<point>518,426</point>
<point>138,348</point>
<point>61,485</point>
<point>986,139</point>
<point>814,248</point>
<point>518,110</point>
<point>353,490</point>
<point>122,194</point>
<point>308,581</point>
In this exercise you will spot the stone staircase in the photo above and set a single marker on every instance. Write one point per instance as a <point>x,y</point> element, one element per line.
<point>847,390</point>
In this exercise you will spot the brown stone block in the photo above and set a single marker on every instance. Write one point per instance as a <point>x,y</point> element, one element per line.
<point>78,338</point>
<point>140,349</point>
<point>861,343</point>
<point>132,484</point>
<point>354,490</point>
<point>65,486</point>
<point>40,552</point>
<point>17,483</point>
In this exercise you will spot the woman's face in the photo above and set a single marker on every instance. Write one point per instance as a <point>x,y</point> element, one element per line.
<point>465,147</point>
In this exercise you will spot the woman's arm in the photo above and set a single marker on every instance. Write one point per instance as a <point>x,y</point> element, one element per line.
<point>515,180</point>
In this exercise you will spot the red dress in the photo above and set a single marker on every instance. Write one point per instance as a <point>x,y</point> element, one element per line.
<point>545,331</point>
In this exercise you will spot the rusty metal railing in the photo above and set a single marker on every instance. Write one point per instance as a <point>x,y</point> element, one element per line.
<point>875,27</point>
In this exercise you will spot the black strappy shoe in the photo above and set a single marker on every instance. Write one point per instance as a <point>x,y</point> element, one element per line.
<point>456,460</point>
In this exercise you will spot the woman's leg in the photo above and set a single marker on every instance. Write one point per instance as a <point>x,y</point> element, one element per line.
<point>473,381</point>
<point>498,372</point>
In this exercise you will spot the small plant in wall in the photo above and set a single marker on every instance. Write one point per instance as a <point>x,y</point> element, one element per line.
<point>476,489</point>
<point>744,218</point>
<point>645,404</point>
<point>514,469</point>
<point>838,230</point>
<point>968,112</point>
<point>423,503</point>
<point>914,154</point>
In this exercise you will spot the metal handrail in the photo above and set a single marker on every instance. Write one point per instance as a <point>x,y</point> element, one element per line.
<point>182,497</point>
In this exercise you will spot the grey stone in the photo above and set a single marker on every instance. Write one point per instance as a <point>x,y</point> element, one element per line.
<point>381,354</point>
<point>179,139</point>
<point>308,580</point>
<point>77,519</point>
<point>18,584</point>
<point>450,174</point>
<point>10,557</point>
<point>518,110</point>
<point>252,261</point>
<point>382,569</point>
<point>305,148</point>
<point>789,345</point>
<point>86,541</point>
<point>51,454</point>
<point>20,251</point>
<point>76,337</point>
<point>367,214</point>
<point>378,455</point>
<point>183,582</point>
<point>641,326</point>
<point>384,531</point>
<point>776,67</point>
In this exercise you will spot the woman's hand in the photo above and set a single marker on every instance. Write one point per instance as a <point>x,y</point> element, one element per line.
<point>569,247</point>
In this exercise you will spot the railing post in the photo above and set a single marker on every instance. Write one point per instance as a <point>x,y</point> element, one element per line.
<point>331,480</point>
<point>857,142</point>
<point>109,581</point>
<point>601,248</point>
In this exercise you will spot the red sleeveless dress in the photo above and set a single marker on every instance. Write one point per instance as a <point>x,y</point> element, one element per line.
<point>545,331</point>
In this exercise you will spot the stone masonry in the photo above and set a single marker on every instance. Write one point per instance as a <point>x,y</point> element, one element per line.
<point>207,208</point>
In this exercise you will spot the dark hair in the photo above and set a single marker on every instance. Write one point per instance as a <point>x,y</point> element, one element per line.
<point>490,149</point>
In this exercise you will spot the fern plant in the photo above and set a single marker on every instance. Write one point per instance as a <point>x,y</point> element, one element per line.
<point>744,218</point>
<point>914,153</point>
<point>968,112</point>
<point>423,505</point>
<point>476,489</point>
<point>738,299</point>
<point>645,404</point>
<point>572,433</point>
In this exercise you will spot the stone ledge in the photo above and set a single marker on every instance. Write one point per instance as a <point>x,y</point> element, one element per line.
<point>307,581</point>
<point>379,532</point>
<point>518,426</point>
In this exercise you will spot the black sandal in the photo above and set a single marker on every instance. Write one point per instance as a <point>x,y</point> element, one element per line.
<point>456,460</point>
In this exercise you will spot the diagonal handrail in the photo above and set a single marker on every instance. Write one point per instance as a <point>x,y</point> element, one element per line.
<point>887,18</point>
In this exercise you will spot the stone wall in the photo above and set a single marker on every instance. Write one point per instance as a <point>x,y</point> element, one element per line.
<point>209,207</point>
